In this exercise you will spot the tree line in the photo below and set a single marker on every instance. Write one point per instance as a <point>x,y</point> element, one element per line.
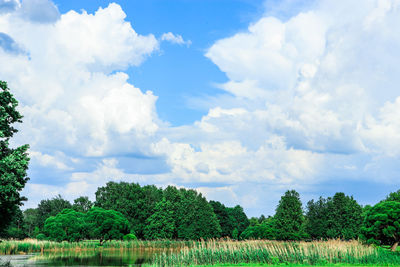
<point>147,212</point>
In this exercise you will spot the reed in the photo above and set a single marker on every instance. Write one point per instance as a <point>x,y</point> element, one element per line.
<point>214,252</point>
<point>11,247</point>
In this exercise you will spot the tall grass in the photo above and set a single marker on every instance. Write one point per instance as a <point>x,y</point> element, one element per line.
<point>274,252</point>
<point>10,247</point>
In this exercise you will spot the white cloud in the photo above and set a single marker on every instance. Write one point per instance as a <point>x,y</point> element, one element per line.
<point>311,97</point>
<point>67,93</point>
<point>175,39</point>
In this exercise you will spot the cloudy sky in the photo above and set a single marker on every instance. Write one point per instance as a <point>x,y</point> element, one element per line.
<point>240,99</point>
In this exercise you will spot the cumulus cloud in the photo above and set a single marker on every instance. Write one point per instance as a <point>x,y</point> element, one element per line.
<point>41,11</point>
<point>8,5</point>
<point>175,39</point>
<point>312,96</point>
<point>9,45</point>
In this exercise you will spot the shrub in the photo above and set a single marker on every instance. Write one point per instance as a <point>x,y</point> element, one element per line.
<point>41,237</point>
<point>129,237</point>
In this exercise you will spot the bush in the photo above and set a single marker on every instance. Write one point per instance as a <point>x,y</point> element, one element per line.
<point>129,237</point>
<point>41,237</point>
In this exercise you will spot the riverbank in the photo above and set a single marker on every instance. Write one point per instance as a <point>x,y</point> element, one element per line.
<point>211,253</point>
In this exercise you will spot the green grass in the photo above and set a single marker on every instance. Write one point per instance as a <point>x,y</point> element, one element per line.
<point>279,253</point>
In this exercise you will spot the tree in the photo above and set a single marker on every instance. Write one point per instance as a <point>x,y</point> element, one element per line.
<point>289,217</point>
<point>67,225</point>
<point>339,216</point>
<point>13,162</point>
<point>316,224</point>
<point>265,230</point>
<point>394,196</point>
<point>15,229</point>
<point>50,207</point>
<point>225,219</point>
<point>196,218</point>
<point>30,219</point>
<point>82,204</point>
<point>136,203</point>
<point>161,224</point>
<point>106,224</point>
<point>239,219</point>
<point>382,224</point>
<point>344,217</point>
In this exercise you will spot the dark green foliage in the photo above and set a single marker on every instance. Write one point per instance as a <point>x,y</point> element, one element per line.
<point>289,217</point>
<point>192,215</point>
<point>344,217</point>
<point>238,218</point>
<point>225,220</point>
<point>161,224</point>
<point>382,224</point>
<point>130,237</point>
<point>82,204</point>
<point>264,230</point>
<point>16,227</point>
<point>336,217</point>
<point>67,225</point>
<point>106,224</point>
<point>41,237</point>
<point>50,207</point>
<point>13,162</point>
<point>135,202</point>
<point>30,220</point>
<point>394,196</point>
<point>317,219</point>
<point>196,218</point>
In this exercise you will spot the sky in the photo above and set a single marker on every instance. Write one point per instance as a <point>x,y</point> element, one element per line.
<point>238,99</point>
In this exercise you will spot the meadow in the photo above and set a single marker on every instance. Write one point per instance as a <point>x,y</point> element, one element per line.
<point>224,252</point>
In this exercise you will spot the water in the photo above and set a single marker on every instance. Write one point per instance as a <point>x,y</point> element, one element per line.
<point>81,258</point>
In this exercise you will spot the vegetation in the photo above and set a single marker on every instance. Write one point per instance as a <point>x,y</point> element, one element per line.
<point>382,224</point>
<point>336,217</point>
<point>106,224</point>
<point>13,162</point>
<point>289,217</point>
<point>278,252</point>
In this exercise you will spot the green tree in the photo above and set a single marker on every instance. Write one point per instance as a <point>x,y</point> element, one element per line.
<point>225,219</point>
<point>289,217</point>
<point>30,219</point>
<point>50,207</point>
<point>13,162</point>
<point>316,224</point>
<point>15,229</point>
<point>344,217</point>
<point>161,224</point>
<point>82,204</point>
<point>106,224</point>
<point>196,217</point>
<point>239,219</point>
<point>394,196</point>
<point>265,230</point>
<point>382,224</point>
<point>67,225</point>
<point>136,203</point>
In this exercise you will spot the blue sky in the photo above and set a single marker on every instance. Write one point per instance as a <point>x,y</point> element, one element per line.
<point>241,100</point>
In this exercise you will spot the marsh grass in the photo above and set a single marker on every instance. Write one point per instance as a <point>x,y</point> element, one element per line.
<point>214,252</point>
<point>220,252</point>
<point>12,247</point>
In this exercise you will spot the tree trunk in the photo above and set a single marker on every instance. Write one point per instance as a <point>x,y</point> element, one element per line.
<point>393,248</point>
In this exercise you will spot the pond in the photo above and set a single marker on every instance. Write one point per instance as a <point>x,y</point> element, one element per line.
<point>80,258</point>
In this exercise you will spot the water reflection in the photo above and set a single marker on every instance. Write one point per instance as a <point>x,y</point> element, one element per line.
<point>84,258</point>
